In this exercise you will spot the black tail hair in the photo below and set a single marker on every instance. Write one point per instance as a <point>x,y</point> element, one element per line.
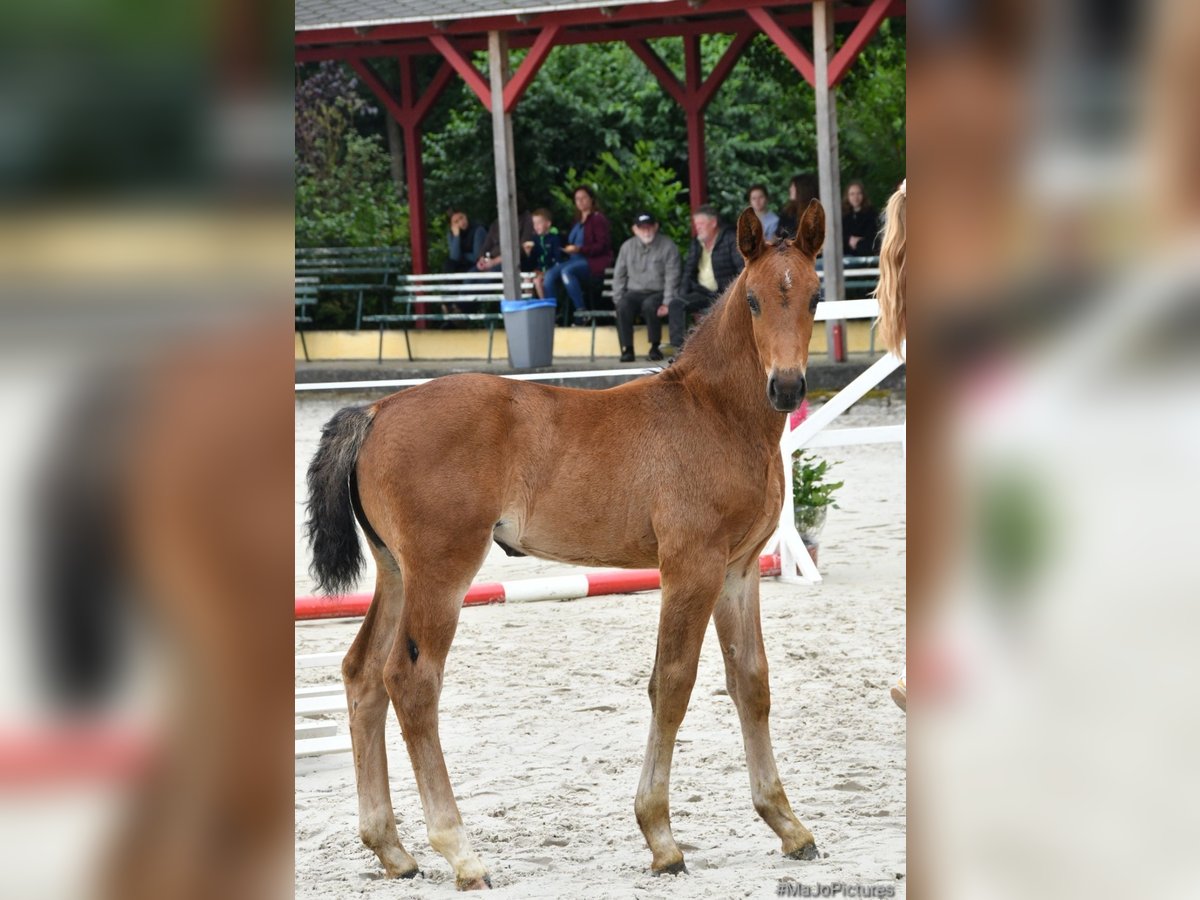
<point>337,557</point>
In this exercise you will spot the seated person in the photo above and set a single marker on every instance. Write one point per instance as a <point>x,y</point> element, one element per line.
<point>644,280</point>
<point>466,242</point>
<point>588,249</point>
<point>713,262</point>
<point>860,223</point>
<point>545,250</point>
<point>489,257</point>
<point>757,198</point>
<point>801,191</point>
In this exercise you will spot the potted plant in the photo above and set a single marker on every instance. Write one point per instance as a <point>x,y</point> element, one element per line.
<point>812,496</point>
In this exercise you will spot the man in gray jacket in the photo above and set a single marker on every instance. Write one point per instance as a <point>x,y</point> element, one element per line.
<point>645,280</point>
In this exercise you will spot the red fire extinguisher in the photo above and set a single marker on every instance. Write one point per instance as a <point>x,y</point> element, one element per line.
<point>839,342</point>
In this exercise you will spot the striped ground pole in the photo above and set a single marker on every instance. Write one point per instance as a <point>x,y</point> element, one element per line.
<point>527,590</point>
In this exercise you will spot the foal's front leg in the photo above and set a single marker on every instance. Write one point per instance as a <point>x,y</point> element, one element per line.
<point>739,628</point>
<point>689,592</point>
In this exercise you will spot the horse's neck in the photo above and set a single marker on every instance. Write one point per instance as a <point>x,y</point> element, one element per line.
<point>721,362</point>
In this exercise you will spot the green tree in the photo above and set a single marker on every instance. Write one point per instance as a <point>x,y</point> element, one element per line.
<point>345,196</point>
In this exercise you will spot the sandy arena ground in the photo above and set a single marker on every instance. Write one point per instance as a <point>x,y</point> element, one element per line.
<point>544,718</point>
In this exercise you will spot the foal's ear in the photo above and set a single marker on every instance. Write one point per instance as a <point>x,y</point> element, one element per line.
<point>750,234</point>
<point>810,232</point>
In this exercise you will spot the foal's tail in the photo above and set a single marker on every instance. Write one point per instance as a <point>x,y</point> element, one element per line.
<point>332,495</point>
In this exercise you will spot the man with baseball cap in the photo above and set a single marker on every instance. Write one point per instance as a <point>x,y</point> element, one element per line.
<point>644,281</point>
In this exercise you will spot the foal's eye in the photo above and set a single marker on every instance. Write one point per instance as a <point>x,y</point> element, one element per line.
<point>752,299</point>
<point>816,298</point>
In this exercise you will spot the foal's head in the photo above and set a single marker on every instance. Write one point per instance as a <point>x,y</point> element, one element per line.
<point>782,290</point>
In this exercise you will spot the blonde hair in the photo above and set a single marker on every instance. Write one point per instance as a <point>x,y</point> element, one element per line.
<point>893,325</point>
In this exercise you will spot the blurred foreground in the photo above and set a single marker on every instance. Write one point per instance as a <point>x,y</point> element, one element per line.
<point>145,379</point>
<point>1054,436</point>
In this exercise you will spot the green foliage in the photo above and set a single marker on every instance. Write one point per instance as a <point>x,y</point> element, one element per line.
<point>353,203</point>
<point>594,113</point>
<point>812,495</point>
<point>809,487</point>
<point>871,115</point>
<point>626,184</point>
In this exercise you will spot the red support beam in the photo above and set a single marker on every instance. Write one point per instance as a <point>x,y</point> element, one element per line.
<point>724,66</point>
<point>409,110</point>
<point>659,70</point>
<point>463,66</point>
<point>436,86</point>
<point>694,113</point>
<point>693,95</point>
<point>414,173</point>
<point>863,31</point>
<point>797,55</point>
<point>533,60</point>
<point>395,107</point>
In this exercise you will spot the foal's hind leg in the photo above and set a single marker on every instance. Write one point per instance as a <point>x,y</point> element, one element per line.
<point>739,629</point>
<point>367,702</point>
<point>689,591</point>
<point>435,584</point>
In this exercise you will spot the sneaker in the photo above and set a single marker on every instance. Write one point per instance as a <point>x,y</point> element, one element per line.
<point>627,355</point>
<point>655,354</point>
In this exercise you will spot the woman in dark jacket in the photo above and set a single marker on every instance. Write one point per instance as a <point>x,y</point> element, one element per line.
<point>860,223</point>
<point>801,190</point>
<point>589,250</point>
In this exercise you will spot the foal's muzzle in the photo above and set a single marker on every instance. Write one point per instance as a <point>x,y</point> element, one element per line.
<point>785,389</point>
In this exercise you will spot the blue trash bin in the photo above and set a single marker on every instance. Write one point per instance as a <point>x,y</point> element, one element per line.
<point>529,327</point>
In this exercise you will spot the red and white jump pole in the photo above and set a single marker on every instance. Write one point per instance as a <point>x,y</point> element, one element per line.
<point>528,590</point>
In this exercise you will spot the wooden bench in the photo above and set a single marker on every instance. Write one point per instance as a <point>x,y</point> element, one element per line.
<point>860,274</point>
<point>359,271</point>
<point>480,291</point>
<point>306,297</point>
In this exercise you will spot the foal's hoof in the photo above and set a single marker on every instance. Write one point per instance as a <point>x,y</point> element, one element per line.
<point>808,851</point>
<point>675,868</point>
<point>479,884</point>
<point>411,873</point>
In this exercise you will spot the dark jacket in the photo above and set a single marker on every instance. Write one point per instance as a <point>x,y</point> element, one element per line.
<point>597,244</point>
<point>863,224</point>
<point>547,250</point>
<point>525,233</point>
<point>727,262</point>
<point>466,247</point>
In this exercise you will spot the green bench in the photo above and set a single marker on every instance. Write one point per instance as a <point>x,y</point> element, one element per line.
<point>478,292</point>
<point>593,316</point>
<point>306,298</point>
<point>357,271</point>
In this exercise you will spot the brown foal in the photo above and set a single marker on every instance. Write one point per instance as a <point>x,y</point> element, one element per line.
<point>436,473</point>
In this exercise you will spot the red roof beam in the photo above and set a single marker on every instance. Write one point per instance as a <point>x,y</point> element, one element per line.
<point>797,55</point>
<point>723,67</point>
<point>398,110</point>
<point>533,60</point>
<point>421,108</point>
<point>661,71</point>
<point>863,31</point>
<point>464,67</point>
<point>654,12</point>
<point>418,43</point>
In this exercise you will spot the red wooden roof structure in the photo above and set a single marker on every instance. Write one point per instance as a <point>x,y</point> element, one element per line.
<point>360,31</point>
